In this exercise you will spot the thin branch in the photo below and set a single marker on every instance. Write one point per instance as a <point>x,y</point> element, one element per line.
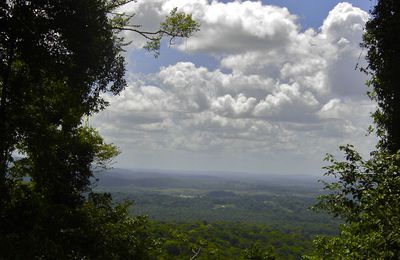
<point>196,253</point>
<point>146,34</point>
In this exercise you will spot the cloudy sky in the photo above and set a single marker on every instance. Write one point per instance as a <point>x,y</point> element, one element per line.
<point>264,86</point>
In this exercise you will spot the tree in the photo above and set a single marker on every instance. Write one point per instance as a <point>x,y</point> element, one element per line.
<point>56,59</point>
<point>384,67</point>
<point>366,194</point>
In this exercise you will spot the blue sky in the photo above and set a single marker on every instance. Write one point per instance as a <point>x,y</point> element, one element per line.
<point>266,87</point>
<point>312,12</point>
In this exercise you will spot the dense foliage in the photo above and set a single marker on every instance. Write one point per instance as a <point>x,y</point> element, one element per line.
<point>229,240</point>
<point>383,46</point>
<point>56,59</point>
<point>366,194</point>
<point>367,197</point>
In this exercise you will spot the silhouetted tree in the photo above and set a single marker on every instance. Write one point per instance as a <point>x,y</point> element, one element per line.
<point>56,59</point>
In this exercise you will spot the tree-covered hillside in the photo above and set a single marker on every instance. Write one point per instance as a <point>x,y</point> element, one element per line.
<point>223,215</point>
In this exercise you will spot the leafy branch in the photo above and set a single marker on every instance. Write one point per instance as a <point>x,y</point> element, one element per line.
<point>176,25</point>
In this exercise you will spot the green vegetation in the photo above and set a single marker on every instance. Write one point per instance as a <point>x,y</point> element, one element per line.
<point>186,198</point>
<point>56,59</point>
<point>384,67</point>
<point>367,198</point>
<point>229,240</point>
<point>223,217</point>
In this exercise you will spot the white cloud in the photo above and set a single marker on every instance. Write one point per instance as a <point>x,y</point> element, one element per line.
<point>287,103</point>
<point>235,26</point>
<point>344,24</point>
<point>240,106</point>
<point>278,92</point>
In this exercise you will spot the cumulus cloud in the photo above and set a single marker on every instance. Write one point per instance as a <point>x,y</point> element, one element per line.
<point>241,106</point>
<point>344,24</point>
<point>287,103</point>
<point>235,26</point>
<point>278,91</point>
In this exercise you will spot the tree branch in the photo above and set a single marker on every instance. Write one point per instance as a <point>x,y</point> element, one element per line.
<point>196,253</point>
<point>146,33</point>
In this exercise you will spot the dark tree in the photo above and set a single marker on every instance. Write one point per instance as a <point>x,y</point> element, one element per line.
<point>56,59</point>
<point>383,45</point>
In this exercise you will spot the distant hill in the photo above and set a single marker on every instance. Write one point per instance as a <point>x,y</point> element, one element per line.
<point>177,197</point>
<point>125,179</point>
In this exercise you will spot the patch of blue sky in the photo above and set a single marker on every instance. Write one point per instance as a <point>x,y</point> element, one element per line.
<point>141,61</point>
<point>311,13</point>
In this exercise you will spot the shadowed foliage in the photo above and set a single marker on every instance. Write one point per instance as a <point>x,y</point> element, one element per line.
<point>57,58</point>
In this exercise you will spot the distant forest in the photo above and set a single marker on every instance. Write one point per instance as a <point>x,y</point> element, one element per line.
<point>224,215</point>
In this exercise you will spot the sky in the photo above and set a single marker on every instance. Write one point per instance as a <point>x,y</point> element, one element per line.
<point>264,87</point>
